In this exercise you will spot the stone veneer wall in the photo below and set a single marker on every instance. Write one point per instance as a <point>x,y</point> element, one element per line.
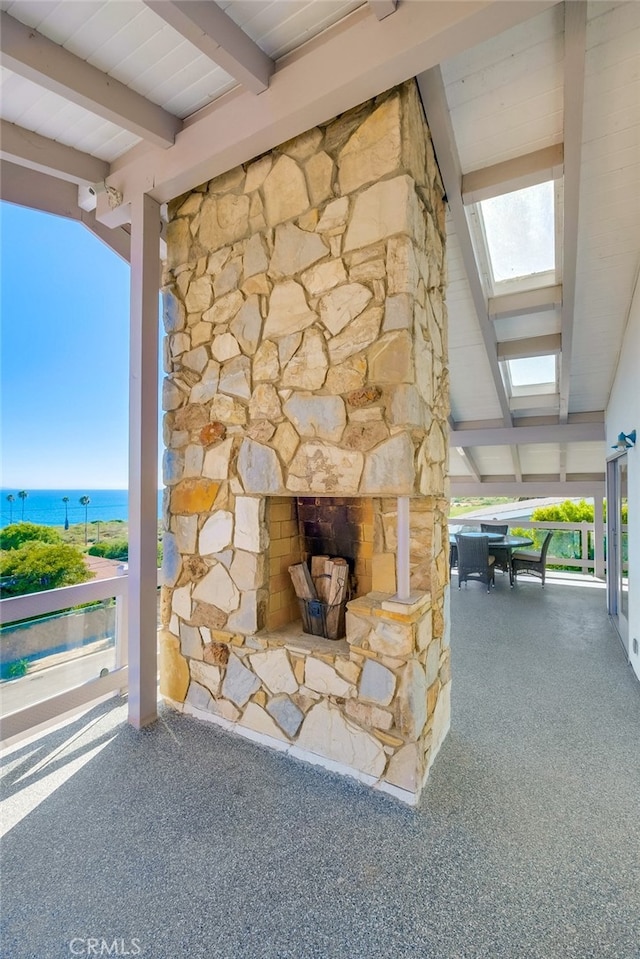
<point>306,355</point>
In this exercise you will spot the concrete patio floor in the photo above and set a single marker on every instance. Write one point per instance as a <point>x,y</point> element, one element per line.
<point>182,841</point>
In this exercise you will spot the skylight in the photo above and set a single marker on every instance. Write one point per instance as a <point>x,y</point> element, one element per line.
<point>533,371</point>
<point>520,232</point>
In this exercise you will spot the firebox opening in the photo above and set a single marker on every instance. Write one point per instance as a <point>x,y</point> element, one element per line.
<point>302,527</point>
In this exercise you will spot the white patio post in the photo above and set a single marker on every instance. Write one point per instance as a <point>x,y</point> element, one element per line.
<point>143,460</point>
<point>598,537</point>
<point>402,555</point>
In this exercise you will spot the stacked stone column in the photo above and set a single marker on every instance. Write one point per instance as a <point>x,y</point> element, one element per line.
<point>306,354</point>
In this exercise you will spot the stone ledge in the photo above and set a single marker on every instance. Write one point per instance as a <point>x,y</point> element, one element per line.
<point>375,604</point>
<point>293,638</point>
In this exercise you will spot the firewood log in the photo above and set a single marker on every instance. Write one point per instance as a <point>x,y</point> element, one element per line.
<point>302,582</point>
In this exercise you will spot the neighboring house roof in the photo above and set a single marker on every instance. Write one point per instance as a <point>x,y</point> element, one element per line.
<point>504,511</point>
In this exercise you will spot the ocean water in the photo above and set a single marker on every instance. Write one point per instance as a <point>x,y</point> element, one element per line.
<point>45,506</point>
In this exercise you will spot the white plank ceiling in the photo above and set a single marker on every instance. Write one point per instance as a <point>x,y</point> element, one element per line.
<point>507,73</point>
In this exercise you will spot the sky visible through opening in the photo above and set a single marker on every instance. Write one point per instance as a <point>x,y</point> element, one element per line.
<point>64,313</point>
<point>520,232</point>
<point>533,371</point>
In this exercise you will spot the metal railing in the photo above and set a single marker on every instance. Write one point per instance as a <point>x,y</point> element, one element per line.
<point>31,609</point>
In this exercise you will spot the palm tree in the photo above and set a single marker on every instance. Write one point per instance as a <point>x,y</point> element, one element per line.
<point>22,495</point>
<point>84,501</point>
<point>65,500</point>
<point>11,500</point>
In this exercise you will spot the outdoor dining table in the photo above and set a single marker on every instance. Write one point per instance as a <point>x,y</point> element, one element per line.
<point>508,542</point>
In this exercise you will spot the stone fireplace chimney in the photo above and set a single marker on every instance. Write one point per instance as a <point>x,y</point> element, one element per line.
<point>305,362</point>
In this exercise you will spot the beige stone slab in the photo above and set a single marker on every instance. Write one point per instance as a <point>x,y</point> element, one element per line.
<point>323,678</point>
<point>206,675</point>
<point>288,310</point>
<point>374,149</point>
<point>307,369</point>
<point>415,601</point>
<point>342,305</point>
<point>285,191</point>
<point>256,718</point>
<point>257,172</point>
<point>357,336</point>
<point>295,250</point>
<point>381,211</point>
<point>223,219</point>
<point>316,415</point>
<point>324,277</point>
<point>319,468</point>
<point>266,364</point>
<point>319,172</point>
<point>347,376</point>
<point>404,768</point>
<point>218,589</point>
<point>389,469</point>
<point>326,732</point>
<point>274,669</point>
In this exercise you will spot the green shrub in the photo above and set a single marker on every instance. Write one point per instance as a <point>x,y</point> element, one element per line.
<point>38,566</point>
<point>117,549</point>
<point>14,536</point>
<point>15,669</point>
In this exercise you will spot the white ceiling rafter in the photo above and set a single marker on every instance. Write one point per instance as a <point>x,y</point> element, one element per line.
<point>33,56</point>
<point>465,455</point>
<point>575,32</point>
<point>515,174</point>
<point>36,152</point>
<point>470,463</point>
<point>531,346</point>
<point>382,8</point>
<point>215,34</point>
<point>527,301</point>
<point>552,433</point>
<point>349,63</point>
<point>585,485</point>
<point>433,96</point>
<point>563,461</point>
<point>38,191</point>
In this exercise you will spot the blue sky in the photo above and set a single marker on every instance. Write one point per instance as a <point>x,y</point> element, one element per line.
<point>64,313</point>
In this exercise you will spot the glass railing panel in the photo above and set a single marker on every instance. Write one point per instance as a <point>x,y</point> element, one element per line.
<point>47,655</point>
<point>55,643</point>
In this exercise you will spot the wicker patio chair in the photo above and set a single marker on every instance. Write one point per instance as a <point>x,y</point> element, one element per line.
<point>474,562</point>
<point>492,528</point>
<point>502,556</point>
<point>530,562</point>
